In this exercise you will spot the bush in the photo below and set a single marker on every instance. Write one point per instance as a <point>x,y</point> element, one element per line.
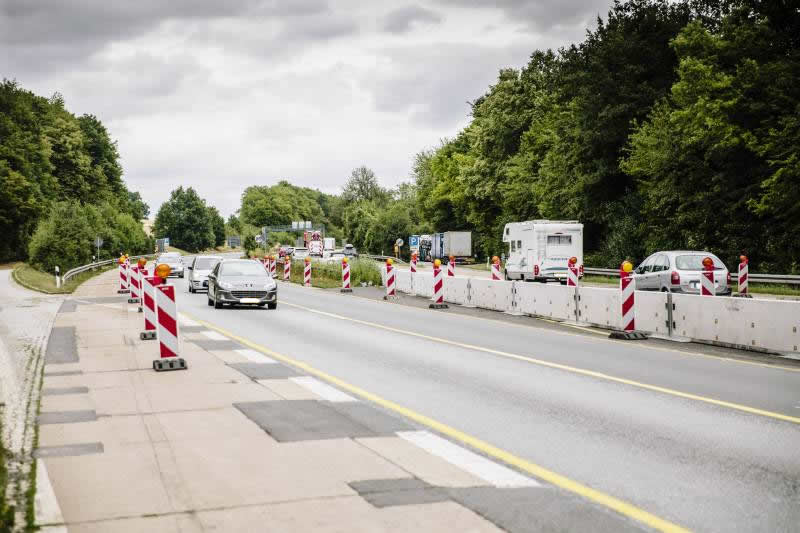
<point>361,270</point>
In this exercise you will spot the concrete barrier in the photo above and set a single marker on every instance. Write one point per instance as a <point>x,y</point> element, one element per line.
<point>491,294</point>
<point>456,290</point>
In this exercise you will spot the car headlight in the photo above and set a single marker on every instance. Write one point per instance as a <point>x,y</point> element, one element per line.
<point>226,286</point>
<point>270,286</point>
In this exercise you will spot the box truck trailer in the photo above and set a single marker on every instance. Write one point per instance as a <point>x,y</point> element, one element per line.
<point>455,243</point>
<point>539,250</point>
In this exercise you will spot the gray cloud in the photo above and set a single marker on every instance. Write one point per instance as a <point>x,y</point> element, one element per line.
<point>541,15</point>
<point>401,20</point>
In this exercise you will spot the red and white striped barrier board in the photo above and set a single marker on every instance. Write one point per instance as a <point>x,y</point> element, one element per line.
<point>707,283</point>
<point>743,277</point>
<point>628,286</point>
<point>273,267</point>
<point>167,311</point>
<point>414,264</point>
<point>451,267</point>
<point>123,279</point>
<point>346,276</point>
<point>307,274</point>
<point>438,289</point>
<point>390,282</point>
<point>572,276</point>
<point>496,271</point>
<point>133,272</point>
<point>149,300</point>
<point>287,268</point>
<point>142,275</point>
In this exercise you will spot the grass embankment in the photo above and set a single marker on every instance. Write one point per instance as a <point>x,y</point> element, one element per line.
<point>329,275</point>
<point>6,512</point>
<point>36,280</point>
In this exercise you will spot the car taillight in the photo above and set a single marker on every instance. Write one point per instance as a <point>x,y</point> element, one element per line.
<point>676,278</point>
<point>729,278</point>
<point>580,271</point>
<point>535,270</point>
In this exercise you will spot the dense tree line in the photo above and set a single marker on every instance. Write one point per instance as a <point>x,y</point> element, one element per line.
<point>188,222</point>
<point>61,185</point>
<point>672,125</point>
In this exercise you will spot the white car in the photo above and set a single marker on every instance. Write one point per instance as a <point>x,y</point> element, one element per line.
<point>175,262</point>
<point>199,269</point>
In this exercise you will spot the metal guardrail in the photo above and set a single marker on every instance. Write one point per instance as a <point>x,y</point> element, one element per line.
<point>83,268</point>
<point>383,258</point>
<point>787,279</point>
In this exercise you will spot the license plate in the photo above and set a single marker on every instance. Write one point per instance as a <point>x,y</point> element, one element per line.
<point>249,300</point>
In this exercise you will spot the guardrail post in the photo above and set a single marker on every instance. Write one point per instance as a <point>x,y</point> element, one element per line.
<point>58,278</point>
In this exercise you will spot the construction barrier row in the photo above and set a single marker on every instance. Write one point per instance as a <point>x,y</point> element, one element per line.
<point>756,324</point>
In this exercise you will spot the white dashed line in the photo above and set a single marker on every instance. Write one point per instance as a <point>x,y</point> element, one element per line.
<point>255,356</point>
<point>477,465</point>
<point>323,390</point>
<point>214,336</point>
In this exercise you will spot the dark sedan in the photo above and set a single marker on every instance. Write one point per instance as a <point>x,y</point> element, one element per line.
<point>241,281</point>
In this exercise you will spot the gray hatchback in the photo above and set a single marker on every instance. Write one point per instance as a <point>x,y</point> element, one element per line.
<point>679,271</point>
<point>241,281</point>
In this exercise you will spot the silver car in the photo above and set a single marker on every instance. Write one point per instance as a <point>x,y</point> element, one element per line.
<point>679,271</point>
<point>241,281</point>
<point>199,269</point>
<point>173,259</point>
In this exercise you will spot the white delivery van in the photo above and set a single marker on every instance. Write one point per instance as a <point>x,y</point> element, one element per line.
<point>540,249</point>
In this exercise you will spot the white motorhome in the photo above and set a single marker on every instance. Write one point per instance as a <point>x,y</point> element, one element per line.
<point>540,249</point>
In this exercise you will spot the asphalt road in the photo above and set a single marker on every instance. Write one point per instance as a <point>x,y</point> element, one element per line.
<point>708,443</point>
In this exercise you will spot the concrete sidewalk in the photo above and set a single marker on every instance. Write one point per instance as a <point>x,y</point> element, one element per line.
<point>237,442</point>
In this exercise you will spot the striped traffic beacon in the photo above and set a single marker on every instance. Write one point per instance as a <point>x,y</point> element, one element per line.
<point>743,275</point>
<point>414,263</point>
<point>307,272</point>
<point>287,267</point>
<point>133,279</point>
<point>390,280</point>
<point>149,300</point>
<point>496,268</point>
<point>572,272</point>
<point>707,278</point>
<point>438,287</point>
<point>451,266</point>
<point>628,286</point>
<point>123,276</point>
<point>346,275</point>
<point>167,316</point>
<point>273,266</point>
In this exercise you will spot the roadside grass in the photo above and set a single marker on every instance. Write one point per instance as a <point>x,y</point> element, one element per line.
<point>36,280</point>
<point>329,275</point>
<point>173,249</point>
<point>6,511</point>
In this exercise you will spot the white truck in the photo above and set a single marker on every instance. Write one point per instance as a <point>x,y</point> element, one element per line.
<point>455,243</point>
<point>330,244</point>
<point>539,250</point>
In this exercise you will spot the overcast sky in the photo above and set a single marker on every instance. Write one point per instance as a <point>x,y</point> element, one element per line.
<point>223,94</point>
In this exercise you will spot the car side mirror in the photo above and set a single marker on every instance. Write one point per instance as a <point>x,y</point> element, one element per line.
<point>190,267</point>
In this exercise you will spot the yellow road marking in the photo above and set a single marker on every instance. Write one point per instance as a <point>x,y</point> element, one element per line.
<point>615,504</point>
<point>559,366</point>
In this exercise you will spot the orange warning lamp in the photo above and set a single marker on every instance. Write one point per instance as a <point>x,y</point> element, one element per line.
<point>163,270</point>
<point>308,259</point>
<point>344,260</point>
<point>708,263</point>
<point>389,261</point>
<point>743,259</point>
<point>121,259</point>
<point>495,260</point>
<point>627,266</point>
<point>452,258</point>
<point>142,262</point>
<point>573,260</point>
<point>437,263</point>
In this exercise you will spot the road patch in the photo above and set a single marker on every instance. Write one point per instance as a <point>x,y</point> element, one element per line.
<point>255,356</point>
<point>257,371</point>
<point>67,417</point>
<point>62,347</point>
<point>69,450</point>
<point>58,391</point>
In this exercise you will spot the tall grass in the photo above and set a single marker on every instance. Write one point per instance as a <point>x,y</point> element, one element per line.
<point>329,274</point>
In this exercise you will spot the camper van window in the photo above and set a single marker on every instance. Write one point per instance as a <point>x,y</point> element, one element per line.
<point>519,245</point>
<point>559,240</point>
<point>513,248</point>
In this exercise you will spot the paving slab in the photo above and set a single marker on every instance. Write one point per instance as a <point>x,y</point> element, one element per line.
<point>211,345</point>
<point>258,371</point>
<point>174,523</point>
<point>55,391</point>
<point>62,346</point>
<point>66,417</point>
<point>68,450</point>
<point>287,389</point>
<point>71,402</point>
<point>113,431</point>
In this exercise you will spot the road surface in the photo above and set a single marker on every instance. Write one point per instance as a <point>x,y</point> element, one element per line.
<point>704,442</point>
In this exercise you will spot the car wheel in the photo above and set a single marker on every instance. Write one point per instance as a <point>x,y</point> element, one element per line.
<point>505,273</point>
<point>217,304</point>
<point>191,289</point>
<point>272,305</point>
<point>210,303</point>
<point>261,304</point>
<point>181,276</point>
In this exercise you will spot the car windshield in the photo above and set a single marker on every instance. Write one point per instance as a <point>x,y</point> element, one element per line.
<point>695,262</point>
<point>243,268</point>
<point>205,263</point>
<point>170,258</point>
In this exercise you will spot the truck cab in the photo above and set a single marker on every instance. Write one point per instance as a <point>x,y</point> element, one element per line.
<point>539,250</point>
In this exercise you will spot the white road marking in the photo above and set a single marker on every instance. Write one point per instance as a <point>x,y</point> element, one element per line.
<point>255,356</point>
<point>477,465</point>
<point>188,322</point>
<point>323,390</point>
<point>214,336</point>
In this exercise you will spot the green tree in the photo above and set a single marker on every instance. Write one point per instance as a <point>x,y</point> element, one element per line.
<point>185,219</point>
<point>217,225</point>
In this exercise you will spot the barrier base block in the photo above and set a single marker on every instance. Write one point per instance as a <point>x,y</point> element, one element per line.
<point>390,297</point>
<point>147,335</point>
<point>140,309</point>
<point>345,290</point>
<point>438,306</point>
<point>740,295</point>
<point>169,363</point>
<point>133,300</point>
<point>627,335</point>
<point>123,291</point>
